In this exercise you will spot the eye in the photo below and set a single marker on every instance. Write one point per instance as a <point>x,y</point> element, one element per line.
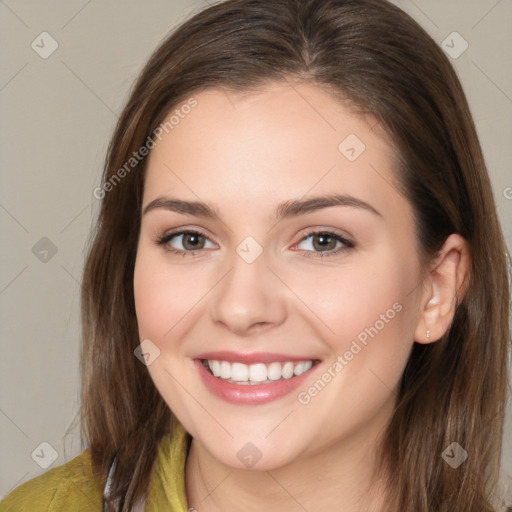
<point>189,240</point>
<point>318,243</point>
<point>325,243</point>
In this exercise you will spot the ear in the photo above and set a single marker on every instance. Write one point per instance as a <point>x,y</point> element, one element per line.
<point>444,287</point>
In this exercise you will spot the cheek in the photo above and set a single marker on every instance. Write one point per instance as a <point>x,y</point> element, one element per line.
<point>367,319</point>
<point>367,324</point>
<point>164,302</point>
<point>163,296</point>
<point>155,314</point>
<point>356,298</point>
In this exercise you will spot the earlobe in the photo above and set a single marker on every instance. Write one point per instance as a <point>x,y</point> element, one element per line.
<point>446,284</point>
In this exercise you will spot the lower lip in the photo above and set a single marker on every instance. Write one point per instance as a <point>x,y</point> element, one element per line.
<point>250,394</point>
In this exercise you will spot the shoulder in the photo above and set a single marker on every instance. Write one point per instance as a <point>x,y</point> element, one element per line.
<point>71,486</point>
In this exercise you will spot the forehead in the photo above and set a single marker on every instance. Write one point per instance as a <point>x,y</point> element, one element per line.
<point>283,140</point>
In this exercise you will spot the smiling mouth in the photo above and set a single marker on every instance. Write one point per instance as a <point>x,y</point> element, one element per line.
<point>255,374</point>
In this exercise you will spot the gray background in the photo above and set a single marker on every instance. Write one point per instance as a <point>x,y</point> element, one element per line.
<point>58,114</point>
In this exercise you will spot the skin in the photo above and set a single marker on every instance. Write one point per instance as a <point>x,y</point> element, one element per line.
<point>244,154</point>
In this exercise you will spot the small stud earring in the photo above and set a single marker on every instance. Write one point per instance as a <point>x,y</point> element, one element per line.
<point>428,334</point>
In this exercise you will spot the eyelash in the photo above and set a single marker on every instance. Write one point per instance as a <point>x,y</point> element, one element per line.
<point>165,239</point>
<point>347,244</point>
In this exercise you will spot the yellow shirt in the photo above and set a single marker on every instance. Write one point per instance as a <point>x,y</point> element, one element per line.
<point>72,487</point>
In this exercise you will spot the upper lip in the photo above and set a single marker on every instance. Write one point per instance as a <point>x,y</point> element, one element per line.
<point>252,358</point>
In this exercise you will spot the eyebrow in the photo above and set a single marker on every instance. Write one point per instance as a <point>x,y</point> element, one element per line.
<point>287,209</point>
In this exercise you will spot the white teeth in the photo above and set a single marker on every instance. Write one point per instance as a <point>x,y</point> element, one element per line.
<point>215,368</point>
<point>225,370</point>
<point>302,367</point>
<point>239,371</point>
<point>299,369</point>
<point>287,370</point>
<point>259,372</point>
<point>274,371</point>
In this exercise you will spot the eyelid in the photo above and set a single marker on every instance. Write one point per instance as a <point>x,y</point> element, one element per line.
<point>332,231</point>
<point>181,231</point>
<point>164,239</point>
<point>347,243</point>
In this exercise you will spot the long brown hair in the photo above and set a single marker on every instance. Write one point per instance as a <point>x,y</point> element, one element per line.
<point>372,53</point>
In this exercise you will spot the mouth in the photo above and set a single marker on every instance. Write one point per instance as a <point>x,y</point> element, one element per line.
<point>256,374</point>
<point>253,379</point>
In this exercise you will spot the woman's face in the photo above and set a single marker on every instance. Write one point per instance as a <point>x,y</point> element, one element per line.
<point>270,276</point>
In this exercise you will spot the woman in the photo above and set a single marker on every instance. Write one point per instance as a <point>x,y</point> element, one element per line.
<point>296,295</point>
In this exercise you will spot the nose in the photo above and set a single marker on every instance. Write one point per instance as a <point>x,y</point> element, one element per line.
<point>249,298</point>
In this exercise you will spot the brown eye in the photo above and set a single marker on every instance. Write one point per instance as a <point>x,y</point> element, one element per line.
<point>192,241</point>
<point>184,242</point>
<point>324,243</point>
